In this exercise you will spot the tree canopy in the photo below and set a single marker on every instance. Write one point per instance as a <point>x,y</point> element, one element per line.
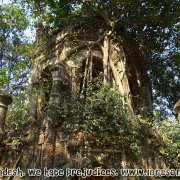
<point>155,25</point>
<point>14,47</point>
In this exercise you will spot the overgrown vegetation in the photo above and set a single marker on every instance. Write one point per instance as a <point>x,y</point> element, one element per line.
<point>155,25</point>
<point>107,123</point>
<point>102,115</point>
<point>171,136</point>
<point>14,48</point>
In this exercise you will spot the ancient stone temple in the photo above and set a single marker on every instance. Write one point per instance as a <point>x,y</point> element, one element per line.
<point>66,62</point>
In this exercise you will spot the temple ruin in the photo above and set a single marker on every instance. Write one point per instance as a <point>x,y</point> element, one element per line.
<point>67,61</point>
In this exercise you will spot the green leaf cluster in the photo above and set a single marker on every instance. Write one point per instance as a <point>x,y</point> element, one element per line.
<point>14,47</point>
<point>171,135</point>
<point>107,122</point>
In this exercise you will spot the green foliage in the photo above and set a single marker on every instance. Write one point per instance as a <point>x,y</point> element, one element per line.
<point>17,112</point>
<point>14,47</point>
<point>105,114</point>
<point>154,24</point>
<point>15,51</point>
<point>107,123</point>
<point>171,135</point>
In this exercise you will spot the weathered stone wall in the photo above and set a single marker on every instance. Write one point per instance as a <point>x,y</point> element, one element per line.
<point>56,72</point>
<point>5,100</point>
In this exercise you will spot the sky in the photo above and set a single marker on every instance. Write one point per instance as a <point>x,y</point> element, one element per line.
<point>5,1</point>
<point>30,32</point>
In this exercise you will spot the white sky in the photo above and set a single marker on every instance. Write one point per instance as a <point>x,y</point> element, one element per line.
<point>5,1</point>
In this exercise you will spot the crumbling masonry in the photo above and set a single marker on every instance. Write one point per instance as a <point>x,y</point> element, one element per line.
<point>61,58</point>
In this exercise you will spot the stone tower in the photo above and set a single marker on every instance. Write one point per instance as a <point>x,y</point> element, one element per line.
<point>66,62</point>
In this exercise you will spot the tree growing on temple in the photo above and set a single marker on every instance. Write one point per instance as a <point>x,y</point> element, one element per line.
<point>120,49</point>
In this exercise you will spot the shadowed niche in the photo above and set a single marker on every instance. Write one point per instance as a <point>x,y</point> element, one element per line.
<point>45,87</point>
<point>91,74</point>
